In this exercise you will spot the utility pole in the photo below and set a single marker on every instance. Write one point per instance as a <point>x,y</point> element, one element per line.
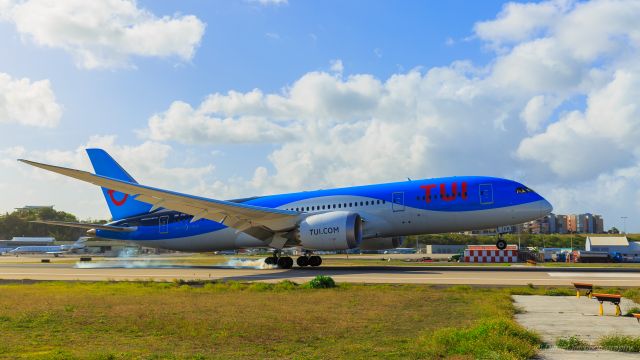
<point>571,242</point>
<point>624,227</point>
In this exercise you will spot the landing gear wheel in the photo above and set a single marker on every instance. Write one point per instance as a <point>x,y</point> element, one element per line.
<point>271,260</point>
<point>285,262</point>
<point>302,261</point>
<point>315,260</point>
<point>501,244</point>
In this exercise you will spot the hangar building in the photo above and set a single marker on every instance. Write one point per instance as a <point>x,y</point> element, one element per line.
<point>630,250</point>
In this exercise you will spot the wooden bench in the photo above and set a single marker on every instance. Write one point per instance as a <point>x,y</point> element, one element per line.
<point>583,286</point>
<point>612,298</point>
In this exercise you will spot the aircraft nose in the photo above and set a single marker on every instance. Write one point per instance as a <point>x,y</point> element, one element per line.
<point>545,208</point>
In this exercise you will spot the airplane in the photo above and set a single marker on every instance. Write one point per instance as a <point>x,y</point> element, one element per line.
<point>55,250</point>
<point>370,217</point>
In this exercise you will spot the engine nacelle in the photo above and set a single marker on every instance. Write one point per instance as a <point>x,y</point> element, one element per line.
<point>381,243</point>
<point>336,230</point>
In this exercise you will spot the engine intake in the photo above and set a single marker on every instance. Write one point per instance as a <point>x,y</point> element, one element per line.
<point>336,230</point>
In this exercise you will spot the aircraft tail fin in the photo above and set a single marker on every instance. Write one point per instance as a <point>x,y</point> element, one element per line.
<point>121,205</point>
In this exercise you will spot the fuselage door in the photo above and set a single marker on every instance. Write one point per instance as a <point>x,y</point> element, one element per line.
<point>164,224</point>
<point>486,194</point>
<point>397,201</point>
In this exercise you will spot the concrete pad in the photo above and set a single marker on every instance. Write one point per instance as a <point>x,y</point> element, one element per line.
<point>560,316</point>
<point>553,317</point>
<point>559,354</point>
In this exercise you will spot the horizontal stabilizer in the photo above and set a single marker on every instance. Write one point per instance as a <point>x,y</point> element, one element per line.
<point>86,226</point>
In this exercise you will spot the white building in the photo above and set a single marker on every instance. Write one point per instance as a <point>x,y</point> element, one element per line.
<point>630,251</point>
<point>445,249</point>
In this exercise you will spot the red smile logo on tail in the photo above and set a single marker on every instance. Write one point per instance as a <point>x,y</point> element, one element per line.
<point>117,202</point>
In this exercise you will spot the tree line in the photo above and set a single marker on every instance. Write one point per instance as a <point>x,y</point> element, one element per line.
<point>17,223</point>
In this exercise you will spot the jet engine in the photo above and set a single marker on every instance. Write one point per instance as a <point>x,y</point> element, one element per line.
<point>336,230</point>
<point>381,243</point>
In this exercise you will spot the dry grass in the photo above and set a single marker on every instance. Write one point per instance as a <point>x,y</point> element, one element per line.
<point>232,320</point>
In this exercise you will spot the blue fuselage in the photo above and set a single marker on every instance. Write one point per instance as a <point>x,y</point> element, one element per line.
<point>388,210</point>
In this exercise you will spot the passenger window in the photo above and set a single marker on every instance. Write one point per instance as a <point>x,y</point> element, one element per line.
<point>350,204</point>
<point>360,203</point>
<point>322,207</point>
<point>339,206</point>
<point>366,203</point>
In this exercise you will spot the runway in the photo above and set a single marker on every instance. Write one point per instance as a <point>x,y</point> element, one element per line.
<point>353,274</point>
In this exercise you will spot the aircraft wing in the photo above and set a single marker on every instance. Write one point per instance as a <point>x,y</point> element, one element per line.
<point>86,226</point>
<point>246,218</point>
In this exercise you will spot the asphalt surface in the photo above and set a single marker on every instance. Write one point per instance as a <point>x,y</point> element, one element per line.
<point>142,269</point>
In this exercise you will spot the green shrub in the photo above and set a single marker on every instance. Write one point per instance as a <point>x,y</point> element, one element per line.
<point>633,310</point>
<point>322,282</point>
<point>620,343</point>
<point>573,343</point>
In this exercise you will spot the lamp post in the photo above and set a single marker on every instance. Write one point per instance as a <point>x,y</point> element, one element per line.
<point>624,226</point>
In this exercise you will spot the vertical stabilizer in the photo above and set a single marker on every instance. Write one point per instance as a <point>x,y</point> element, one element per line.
<point>121,205</point>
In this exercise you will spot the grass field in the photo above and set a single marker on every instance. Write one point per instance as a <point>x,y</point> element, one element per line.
<point>233,320</point>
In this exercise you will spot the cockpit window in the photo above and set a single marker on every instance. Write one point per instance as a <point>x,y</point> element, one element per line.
<point>523,190</point>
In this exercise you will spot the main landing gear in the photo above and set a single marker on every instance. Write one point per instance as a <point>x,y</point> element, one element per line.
<point>283,262</point>
<point>286,262</point>
<point>309,260</point>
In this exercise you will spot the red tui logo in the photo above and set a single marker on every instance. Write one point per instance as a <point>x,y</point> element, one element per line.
<point>444,194</point>
<point>117,202</point>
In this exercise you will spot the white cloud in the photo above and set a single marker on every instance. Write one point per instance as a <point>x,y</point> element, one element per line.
<point>537,111</point>
<point>272,36</point>
<point>104,34</point>
<point>187,125</point>
<point>336,66</point>
<point>551,109</point>
<point>518,22</point>
<point>602,137</point>
<point>458,119</point>
<point>27,102</point>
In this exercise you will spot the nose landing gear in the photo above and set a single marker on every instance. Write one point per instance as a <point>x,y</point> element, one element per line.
<point>501,244</point>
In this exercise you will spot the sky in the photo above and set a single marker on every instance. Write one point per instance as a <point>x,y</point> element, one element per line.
<point>238,98</point>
